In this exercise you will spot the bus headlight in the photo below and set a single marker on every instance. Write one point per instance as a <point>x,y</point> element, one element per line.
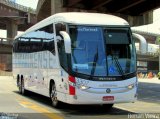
<point>131,86</point>
<point>82,87</point>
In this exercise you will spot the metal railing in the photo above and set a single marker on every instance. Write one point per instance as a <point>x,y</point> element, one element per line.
<point>6,41</point>
<point>18,6</point>
<point>153,54</point>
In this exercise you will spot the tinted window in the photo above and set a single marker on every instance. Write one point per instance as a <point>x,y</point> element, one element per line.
<point>15,45</point>
<point>35,41</point>
<point>62,55</point>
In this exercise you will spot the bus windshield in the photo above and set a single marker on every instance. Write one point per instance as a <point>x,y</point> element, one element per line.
<point>102,51</point>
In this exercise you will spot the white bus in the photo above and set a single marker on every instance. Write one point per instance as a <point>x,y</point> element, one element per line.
<point>77,58</point>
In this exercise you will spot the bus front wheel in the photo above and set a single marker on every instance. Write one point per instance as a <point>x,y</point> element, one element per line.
<point>107,107</point>
<point>53,96</point>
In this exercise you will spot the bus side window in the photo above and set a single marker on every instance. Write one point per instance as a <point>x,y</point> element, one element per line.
<point>42,39</point>
<point>15,45</point>
<point>23,44</point>
<point>48,43</point>
<point>60,27</point>
<point>35,41</point>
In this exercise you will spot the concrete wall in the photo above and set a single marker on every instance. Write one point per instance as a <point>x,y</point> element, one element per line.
<point>5,62</point>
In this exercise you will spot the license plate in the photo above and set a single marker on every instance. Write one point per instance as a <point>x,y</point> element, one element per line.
<point>108,98</point>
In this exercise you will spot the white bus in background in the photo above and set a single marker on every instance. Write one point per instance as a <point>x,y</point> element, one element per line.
<point>77,58</point>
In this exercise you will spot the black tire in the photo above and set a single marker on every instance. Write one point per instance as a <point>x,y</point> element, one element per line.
<point>107,107</point>
<point>18,82</point>
<point>21,86</point>
<point>53,96</point>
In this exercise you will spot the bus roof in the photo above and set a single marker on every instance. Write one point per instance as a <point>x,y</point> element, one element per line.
<point>79,18</point>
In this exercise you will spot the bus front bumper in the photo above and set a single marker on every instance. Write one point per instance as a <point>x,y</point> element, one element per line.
<point>83,97</point>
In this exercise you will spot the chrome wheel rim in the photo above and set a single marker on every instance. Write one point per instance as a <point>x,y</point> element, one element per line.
<point>54,95</point>
<point>22,86</point>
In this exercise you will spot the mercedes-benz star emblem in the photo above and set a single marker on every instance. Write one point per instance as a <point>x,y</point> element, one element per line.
<point>108,90</point>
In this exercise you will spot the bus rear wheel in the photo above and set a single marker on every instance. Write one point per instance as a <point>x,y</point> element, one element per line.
<point>21,86</point>
<point>53,96</point>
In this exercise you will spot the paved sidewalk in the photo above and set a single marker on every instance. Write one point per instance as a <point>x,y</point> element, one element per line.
<point>149,80</point>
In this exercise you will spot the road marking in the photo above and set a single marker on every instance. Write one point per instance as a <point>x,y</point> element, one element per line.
<point>40,109</point>
<point>23,105</point>
<point>119,107</point>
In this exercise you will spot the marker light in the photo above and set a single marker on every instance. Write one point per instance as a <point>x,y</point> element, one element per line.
<point>72,81</point>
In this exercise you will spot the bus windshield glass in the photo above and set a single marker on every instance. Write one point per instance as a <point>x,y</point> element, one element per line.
<point>101,51</point>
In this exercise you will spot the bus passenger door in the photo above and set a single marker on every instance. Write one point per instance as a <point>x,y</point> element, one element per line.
<point>41,72</point>
<point>62,58</point>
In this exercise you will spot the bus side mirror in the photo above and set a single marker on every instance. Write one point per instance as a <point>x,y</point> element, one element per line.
<point>67,41</point>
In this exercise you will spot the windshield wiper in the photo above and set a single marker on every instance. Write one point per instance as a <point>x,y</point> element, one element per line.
<point>94,62</point>
<point>118,66</point>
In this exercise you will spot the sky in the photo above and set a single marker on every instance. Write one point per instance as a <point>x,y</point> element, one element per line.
<point>33,4</point>
<point>156,14</point>
<point>28,3</point>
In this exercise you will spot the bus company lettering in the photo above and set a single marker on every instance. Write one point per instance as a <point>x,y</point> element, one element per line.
<point>88,29</point>
<point>109,79</point>
<point>108,85</point>
<point>36,60</point>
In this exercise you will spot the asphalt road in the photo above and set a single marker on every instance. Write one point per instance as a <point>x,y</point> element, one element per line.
<point>34,106</point>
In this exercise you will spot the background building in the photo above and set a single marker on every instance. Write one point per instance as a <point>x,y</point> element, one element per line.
<point>148,63</point>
